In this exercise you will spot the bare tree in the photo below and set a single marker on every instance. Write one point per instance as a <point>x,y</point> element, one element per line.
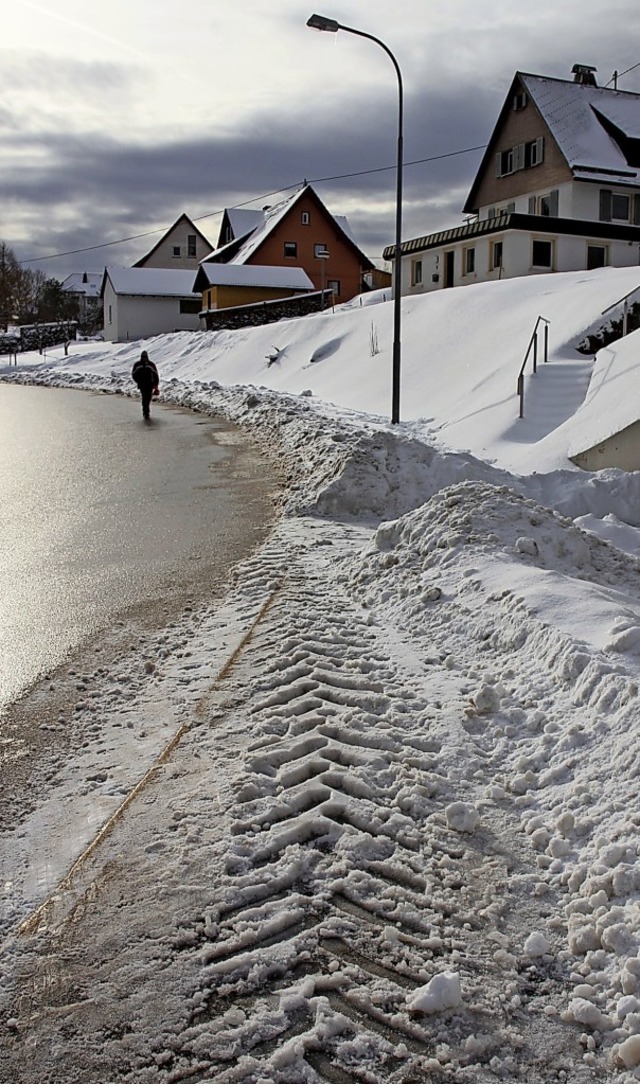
<point>9,270</point>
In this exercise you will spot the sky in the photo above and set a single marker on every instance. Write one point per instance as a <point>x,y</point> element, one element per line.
<point>115,120</point>
<point>373,813</point>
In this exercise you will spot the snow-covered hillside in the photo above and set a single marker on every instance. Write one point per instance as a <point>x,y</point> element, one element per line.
<point>391,833</point>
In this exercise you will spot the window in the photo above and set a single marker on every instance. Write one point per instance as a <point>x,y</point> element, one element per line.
<point>496,254</point>
<point>519,101</point>
<point>187,305</point>
<point>533,153</point>
<point>596,256</point>
<point>614,206</point>
<point>305,218</point>
<point>542,254</point>
<point>522,156</point>
<point>334,286</point>
<point>191,246</point>
<point>176,252</point>
<point>416,272</point>
<point>469,261</point>
<point>110,314</point>
<point>619,207</point>
<point>505,162</point>
<point>290,249</point>
<point>319,249</point>
<point>546,205</point>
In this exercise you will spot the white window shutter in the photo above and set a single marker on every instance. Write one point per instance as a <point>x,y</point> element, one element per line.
<point>539,149</point>
<point>499,164</point>
<point>518,156</point>
<point>554,202</point>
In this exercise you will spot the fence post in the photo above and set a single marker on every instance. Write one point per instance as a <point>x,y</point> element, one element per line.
<point>546,342</point>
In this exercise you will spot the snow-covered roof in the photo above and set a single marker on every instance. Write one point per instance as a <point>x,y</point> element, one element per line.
<point>574,112</point>
<point>151,281</point>
<point>242,220</point>
<point>267,222</point>
<point>270,220</point>
<point>83,282</point>
<point>229,274</point>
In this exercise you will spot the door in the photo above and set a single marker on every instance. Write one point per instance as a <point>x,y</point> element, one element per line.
<point>449,264</point>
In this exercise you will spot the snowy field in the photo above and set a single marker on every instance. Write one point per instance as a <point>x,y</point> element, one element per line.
<point>373,818</point>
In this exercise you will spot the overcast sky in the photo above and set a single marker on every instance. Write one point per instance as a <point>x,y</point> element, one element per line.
<point>116,118</point>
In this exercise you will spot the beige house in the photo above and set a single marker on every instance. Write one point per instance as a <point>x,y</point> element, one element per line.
<point>558,189</point>
<point>182,246</point>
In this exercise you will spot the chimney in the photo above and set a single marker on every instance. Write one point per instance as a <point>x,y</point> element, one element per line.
<point>584,73</point>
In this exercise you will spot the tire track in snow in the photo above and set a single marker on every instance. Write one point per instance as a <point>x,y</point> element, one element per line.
<point>343,881</point>
<point>341,887</point>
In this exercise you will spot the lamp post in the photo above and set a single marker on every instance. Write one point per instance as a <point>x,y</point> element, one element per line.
<point>320,22</point>
<point>322,254</point>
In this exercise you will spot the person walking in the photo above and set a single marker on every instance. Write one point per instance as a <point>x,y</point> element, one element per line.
<point>145,375</point>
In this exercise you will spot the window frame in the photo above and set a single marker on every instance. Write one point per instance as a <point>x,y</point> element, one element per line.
<point>542,241</point>
<point>469,260</point>
<point>305,218</point>
<point>334,286</point>
<point>192,246</point>
<point>496,249</point>
<point>416,272</point>
<point>176,252</point>
<point>620,196</point>
<point>292,255</point>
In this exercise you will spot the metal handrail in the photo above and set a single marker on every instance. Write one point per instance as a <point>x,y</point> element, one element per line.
<point>533,344</point>
<point>625,309</point>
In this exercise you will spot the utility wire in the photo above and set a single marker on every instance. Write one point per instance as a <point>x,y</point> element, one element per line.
<point>254,199</point>
<point>618,75</point>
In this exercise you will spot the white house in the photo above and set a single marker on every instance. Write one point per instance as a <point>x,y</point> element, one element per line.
<point>144,301</point>
<point>558,189</point>
<point>85,286</point>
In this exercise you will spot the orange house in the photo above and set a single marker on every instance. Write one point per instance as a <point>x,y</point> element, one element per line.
<point>298,232</point>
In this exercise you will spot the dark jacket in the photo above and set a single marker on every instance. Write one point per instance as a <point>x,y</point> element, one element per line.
<point>145,374</point>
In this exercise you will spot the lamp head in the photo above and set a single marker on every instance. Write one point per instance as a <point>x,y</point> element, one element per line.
<point>320,22</point>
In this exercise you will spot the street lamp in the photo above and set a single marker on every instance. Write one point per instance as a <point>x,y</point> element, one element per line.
<point>320,22</point>
<point>322,254</point>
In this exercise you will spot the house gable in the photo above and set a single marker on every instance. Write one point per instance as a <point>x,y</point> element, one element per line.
<point>291,233</point>
<point>182,246</point>
<point>522,155</point>
<point>587,133</point>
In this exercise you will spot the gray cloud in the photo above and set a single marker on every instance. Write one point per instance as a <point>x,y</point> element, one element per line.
<point>78,190</point>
